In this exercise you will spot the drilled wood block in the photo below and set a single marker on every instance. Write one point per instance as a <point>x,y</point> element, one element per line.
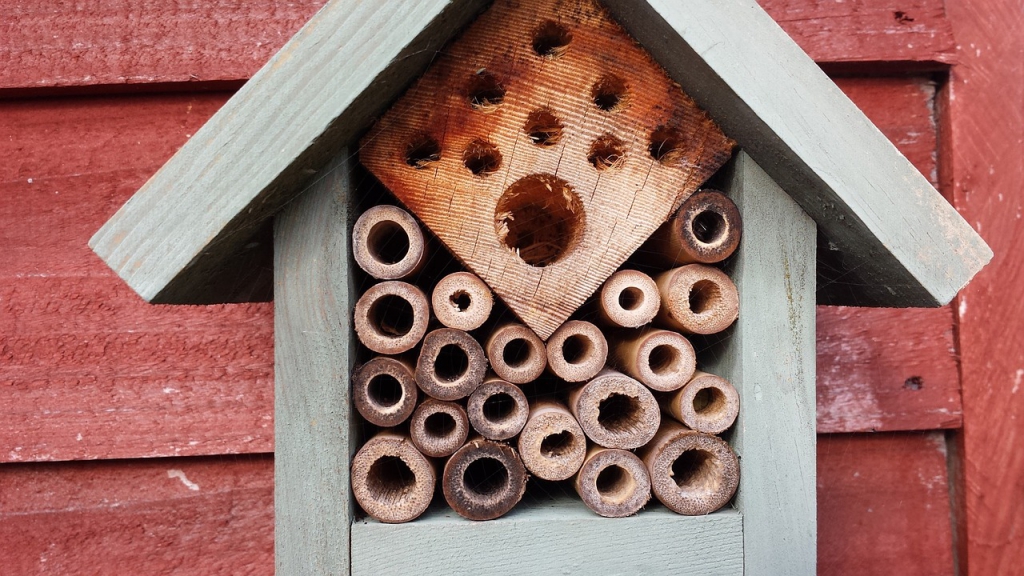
<point>543,147</point>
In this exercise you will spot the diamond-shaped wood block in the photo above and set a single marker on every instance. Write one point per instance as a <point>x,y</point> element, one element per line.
<point>543,147</point>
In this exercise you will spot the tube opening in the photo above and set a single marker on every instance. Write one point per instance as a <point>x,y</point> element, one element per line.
<point>517,352</point>
<point>388,242</point>
<point>499,407</point>
<point>439,425</point>
<point>557,445</point>
<point>619,413</point>
<point>615,483</point>
<point>392,315</point>
<point>385,390</point>
<point>708,401</point>
<point>697,469</point>
<point>631,298</point>
<point>704,294</point>
<point>451,363</point>
<point>664,359</point>
<point>461,300</point>
<point>485,477</point>
<point>389,479</point>
<point>708,227</point>
<point>576,348</point>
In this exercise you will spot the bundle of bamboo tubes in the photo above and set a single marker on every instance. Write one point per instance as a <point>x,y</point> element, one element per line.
<point>453,388</point>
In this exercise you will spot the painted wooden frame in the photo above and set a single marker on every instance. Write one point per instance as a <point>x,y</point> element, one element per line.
<point>768,354</point>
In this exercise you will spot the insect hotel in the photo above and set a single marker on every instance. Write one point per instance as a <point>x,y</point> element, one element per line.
<point>545,278</point>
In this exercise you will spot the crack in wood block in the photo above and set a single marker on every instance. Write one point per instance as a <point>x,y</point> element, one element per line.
<point>543,147</point>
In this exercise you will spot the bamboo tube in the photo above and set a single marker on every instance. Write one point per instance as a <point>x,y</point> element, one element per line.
<point>577,351</point>
<point>391,317</point>
<point>706,230</point>
<point>628,298</point>
<point>497,409</point>
<point>384,391</point>
<point>483,480</point>
<point>552,444</point>
<point>462,301</point>
<point>613,483</point>
<point>697,299</point>
<point>391,480</point>
<point>707,404</point>
<point>661,359</point>
<point>387,243</point>
<point>615,411</point>
<point>516,354</point>
<point>438,428</point>
<point>691,473</point>
<point>451,364</point>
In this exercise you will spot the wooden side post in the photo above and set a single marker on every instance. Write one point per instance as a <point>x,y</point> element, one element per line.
<point>312,360</point>
<point>770,360</point>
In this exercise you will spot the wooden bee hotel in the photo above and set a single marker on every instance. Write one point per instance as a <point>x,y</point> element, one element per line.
<point>545,276</point>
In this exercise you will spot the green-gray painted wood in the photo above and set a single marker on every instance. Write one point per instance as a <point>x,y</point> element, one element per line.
<point>769,356</point>
<point>561,537</point>
<point>312,360</point>
<point>315,96</point>
<point>894,239</point>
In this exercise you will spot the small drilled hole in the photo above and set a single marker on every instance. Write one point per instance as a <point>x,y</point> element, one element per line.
<point>551,39</point>
<point>614,483</point>
<point>704,294</point>
<point>499,407</point>
<point>385,390</point>
<point>543,128</point>
<point>482,158</point>
<point>666,145</point>
<point>387,242</point>
<point>607,152</point>
<point>389,478</point>
<point>555,445</point>
<point>461,300</point>
<point>516,353</point>
<point>422,151</point>
<point>392,315</point>
<point>708,401</point>
<point>539,218</point>
<point>485,92</point>
<point>663,359</point>
<point>576,348</point>
<point>618,413</point>
<point>696,469</point>
<point>708,226</point>
<point>631,298</point>
<point>485,476</point>
<point>451,363</point>
<point>610,93</point>
<point>439,425</point>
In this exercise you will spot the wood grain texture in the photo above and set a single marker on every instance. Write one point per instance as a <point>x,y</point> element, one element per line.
<point>313,358</point>
<point>890,229</point>
<point>767,357</point>
<point>883,505</point>
<point>560,535</point>
<point>254,155</point>
<point>985,111</point>
<point>87,369</point>
<point>175,516</point>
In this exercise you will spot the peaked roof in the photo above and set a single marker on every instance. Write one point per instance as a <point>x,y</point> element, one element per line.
<point>892,240</point>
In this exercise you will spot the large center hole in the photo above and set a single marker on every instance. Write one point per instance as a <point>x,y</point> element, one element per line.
<point>704,294</point>
<point>576,348</point>
<point>498,407</point>
<point>663,359</point>
<point>387,242</point>
<point>708,226</point>
<point>461,300</point>
<point>557,445</point>
<point>615,483</point>
<point>539,218</point>
<point>439,425</point>
<point>389,478</point>
<point>696,469</point>
<point>551,39</point>
<point>385,390</point>
<point>392,315</point>
<point>451,363</point>
<point>516,353</point>
<point>631,298</point>
<point>485,476</point>
<point>618,413</point>
<point>708,401</point>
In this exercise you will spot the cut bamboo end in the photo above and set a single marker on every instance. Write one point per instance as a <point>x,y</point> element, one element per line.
<point>691,473</point>
<point>697,299</point>
<point>615,411</point>
<point>706,230</point>
<point>391,480</point>
<point>577,351</point>
<point>384,391</point>
<point>552,444</point>
<point>516,354</point>
<point>387,243</point>
<point>451,364</point>
<point>391,317</point>
<point>629,299</point>
<point>661,359</point>
<point>438,428</point>
<point>498,410</point>
<point>461,300</point>
<point>483,480</point>
<point>613,483</point>
<point>707,404</point>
